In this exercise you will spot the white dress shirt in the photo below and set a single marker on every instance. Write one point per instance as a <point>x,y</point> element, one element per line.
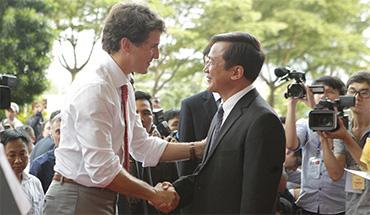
<point>92,128</point>
<point>34,193</point>
<point>229,104</point>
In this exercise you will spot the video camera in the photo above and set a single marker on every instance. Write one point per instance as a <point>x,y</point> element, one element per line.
<point>296,90</point>
<point>325,115</point>
<point>161,123</point>
<point>6,82</point>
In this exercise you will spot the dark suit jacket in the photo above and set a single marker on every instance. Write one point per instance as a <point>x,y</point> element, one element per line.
<point>196,115</point>
<point>42,146</point>
<point>242,173</point>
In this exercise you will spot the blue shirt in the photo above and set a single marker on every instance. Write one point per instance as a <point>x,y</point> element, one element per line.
<point>42,146</point>
<point>318,191</point>
<point>43,168</point>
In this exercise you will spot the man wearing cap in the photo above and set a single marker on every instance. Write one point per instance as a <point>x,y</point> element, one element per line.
<point>11,117</point>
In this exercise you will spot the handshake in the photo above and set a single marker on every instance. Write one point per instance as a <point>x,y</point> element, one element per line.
<point>166,198</point>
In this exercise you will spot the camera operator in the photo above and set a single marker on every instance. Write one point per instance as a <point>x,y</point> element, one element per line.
<point>319,193</point>
<point>357,188</point>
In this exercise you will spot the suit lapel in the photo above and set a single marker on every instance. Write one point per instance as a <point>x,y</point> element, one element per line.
<point>235,114</point>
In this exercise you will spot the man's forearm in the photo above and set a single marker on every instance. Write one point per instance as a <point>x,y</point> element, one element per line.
<point>354,149</point>
<point>334,164</point>
<point>290,127</point>
<point>128,185</point>
<point>181,151</point>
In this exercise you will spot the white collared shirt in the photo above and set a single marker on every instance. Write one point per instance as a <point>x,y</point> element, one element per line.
<point>229,104</point>
<point>92,128</point>
<point>34,193</point>
<point>217,97</point>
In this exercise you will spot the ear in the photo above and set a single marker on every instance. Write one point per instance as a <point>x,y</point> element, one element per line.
<point>237,72</point>
<point>125,44</point>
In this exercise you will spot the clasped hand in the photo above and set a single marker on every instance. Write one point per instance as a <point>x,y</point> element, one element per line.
<point>166,198</point>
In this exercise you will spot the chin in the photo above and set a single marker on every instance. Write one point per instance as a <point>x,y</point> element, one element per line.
<point>142,71</point>
<point>211,89</point>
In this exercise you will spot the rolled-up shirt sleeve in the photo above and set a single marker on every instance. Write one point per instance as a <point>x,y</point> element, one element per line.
<point>144,148</point>
<point>302,133</point>
<point>94,126</point>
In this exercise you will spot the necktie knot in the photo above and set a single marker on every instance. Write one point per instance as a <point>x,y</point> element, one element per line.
<point>218,102</point>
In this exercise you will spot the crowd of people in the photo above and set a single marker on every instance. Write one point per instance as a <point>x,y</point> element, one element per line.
<point>226,151</point>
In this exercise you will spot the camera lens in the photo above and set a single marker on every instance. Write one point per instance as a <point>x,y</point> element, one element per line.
<point>325,121</point>
<point>322,120</point>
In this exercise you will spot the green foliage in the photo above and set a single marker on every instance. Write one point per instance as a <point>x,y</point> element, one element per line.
<point>316,36</point>
<point>178,58</point>
<point>25,42</point>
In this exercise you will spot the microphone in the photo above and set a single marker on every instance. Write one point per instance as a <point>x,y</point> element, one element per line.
<point>281,71</point>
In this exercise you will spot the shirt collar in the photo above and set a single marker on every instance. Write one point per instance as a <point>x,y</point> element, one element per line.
<point>229,104</point>
<point>25,176</point>
<point>216,96</point>
<point>119,78</point>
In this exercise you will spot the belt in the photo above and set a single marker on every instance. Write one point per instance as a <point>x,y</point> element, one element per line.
<point>58,177</point>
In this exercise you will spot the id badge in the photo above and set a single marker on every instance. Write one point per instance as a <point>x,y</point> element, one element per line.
<point>354,183</point>
<point>315,164</point>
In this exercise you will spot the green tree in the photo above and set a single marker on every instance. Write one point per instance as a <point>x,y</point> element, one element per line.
<point>318,37</point>
<point>74,18</point>
<point>179,60</point>
<point>25,43</point>
<point>192,24</point>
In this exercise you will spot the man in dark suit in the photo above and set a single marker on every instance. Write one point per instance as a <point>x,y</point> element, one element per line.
<point>243,160</point>
<point>196,114</point>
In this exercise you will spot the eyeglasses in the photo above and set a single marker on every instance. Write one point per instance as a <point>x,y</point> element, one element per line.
<point>364,93</point>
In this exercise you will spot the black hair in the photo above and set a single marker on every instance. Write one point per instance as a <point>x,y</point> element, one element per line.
<point>170,114</point>
<point>12,134</point>
<point>244,50</point>
<point>359,77</point>
<point>332,82</point>
<point>140,95</point>
<point>28,132</point>
<point>53,114</point>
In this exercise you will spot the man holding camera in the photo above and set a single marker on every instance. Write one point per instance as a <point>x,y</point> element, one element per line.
<point>357,188</point>
<point>319,193</point>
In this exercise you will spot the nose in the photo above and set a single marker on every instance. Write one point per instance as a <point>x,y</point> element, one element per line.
<point>18,159</point>
<point>357,96</point>
<point>155,53</point>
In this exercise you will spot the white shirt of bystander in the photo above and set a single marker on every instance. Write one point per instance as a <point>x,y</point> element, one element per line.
<point>34,192</point>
